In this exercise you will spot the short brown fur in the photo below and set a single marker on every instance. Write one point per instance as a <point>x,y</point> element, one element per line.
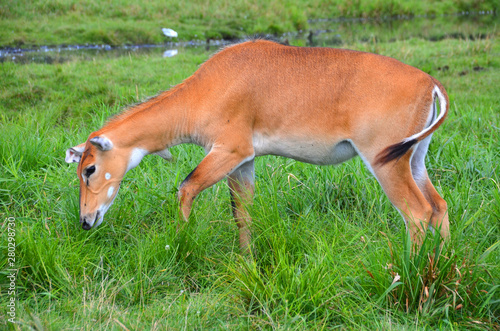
<point>318,105</point>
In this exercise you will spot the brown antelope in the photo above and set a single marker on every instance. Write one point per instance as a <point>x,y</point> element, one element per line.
<point>317,105</point>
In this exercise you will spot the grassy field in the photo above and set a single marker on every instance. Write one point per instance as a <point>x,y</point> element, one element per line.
<point>329,250</point>
<point>38,22</point>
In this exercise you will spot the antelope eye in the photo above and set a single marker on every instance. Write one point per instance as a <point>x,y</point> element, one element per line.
<point>89,171</point>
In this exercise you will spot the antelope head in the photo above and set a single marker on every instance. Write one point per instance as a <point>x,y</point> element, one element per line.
<point>101,168</point>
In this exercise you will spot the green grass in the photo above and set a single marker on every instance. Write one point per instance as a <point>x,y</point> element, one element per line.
<point>28,23</point>
<point>329,250</point>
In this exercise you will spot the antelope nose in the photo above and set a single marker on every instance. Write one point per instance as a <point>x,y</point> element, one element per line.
<point>85,225</point>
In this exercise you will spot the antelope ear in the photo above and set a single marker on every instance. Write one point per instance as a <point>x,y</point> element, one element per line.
<point>74,154</point>
<point>103,143</point>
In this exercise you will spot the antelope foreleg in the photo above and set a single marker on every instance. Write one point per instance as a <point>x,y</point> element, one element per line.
<point>214,167</point>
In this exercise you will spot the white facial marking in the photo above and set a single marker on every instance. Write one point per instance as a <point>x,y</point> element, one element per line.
<point>104,207</point>
<point>107,176</point>
<point>110,191</point>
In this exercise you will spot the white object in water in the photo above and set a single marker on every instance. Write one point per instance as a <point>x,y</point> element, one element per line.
<point>169,32</point>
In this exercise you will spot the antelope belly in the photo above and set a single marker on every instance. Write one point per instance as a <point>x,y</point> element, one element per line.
<point>315,152</point>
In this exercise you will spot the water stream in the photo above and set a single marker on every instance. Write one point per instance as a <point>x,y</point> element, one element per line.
<point>336,33</point>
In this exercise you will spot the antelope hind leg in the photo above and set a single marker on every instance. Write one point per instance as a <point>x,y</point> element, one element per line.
<point>400,187</point>
<point>241,187</point>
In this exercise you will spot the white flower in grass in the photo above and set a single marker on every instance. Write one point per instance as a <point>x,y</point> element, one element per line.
<point>167,247</point>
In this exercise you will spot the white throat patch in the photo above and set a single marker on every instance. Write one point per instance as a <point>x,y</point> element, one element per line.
<point>136,157</point>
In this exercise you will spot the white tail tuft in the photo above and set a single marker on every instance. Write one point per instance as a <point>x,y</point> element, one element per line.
<point>437,122</point>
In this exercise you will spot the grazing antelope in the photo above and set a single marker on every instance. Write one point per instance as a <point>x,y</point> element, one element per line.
<point>317,105</point>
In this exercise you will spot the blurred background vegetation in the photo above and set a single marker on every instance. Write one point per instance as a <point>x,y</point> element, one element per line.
<point>116,22</point>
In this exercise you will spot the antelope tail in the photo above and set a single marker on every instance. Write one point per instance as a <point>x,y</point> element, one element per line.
<point>396,151</point>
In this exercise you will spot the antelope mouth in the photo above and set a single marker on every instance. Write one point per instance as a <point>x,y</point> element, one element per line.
<point>87,225</point>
